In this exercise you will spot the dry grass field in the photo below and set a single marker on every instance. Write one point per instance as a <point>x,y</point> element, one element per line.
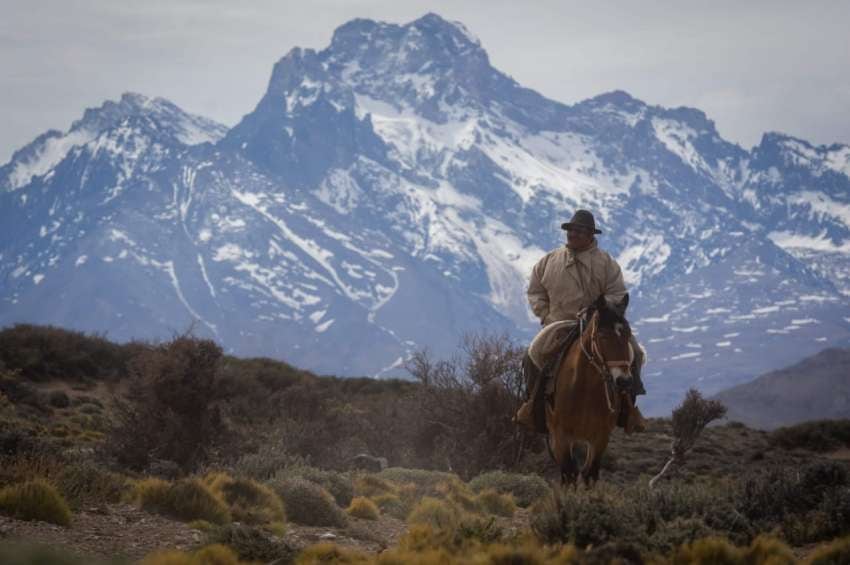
<point>174,453</point>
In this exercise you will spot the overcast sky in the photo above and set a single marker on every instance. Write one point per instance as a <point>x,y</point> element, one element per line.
<point>752,66</point>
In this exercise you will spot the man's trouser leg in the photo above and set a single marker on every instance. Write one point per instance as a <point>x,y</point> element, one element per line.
<point>637,366</point>
<point>632,420</point>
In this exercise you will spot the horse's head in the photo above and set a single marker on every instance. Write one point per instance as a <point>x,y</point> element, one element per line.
<point>611,338</point>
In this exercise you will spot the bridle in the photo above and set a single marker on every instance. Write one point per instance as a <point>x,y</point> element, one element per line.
<point>597,359</point>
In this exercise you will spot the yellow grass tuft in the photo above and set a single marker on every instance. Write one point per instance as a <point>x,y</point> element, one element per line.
<point>331,553</point>
<point>187,500</point>
<point>363,508</point>
<point>216,554</point>
<point>493,502</point>
<point>249,501</point>
<point>371,485</point>
<point>435,513</point>
<point>35,500</point>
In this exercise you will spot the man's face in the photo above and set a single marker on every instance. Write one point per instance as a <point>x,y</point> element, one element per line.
<point>579,238</point>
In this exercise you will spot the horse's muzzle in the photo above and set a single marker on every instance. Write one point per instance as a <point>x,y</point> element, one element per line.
<point>622,379</point>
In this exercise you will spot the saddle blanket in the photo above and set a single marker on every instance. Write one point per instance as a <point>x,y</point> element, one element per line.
<point>549,341</point>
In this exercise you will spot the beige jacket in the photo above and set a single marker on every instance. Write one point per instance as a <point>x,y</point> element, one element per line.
<point>563,282</point>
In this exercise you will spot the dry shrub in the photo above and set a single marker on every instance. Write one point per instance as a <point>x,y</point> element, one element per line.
<point>20,468</point>
<point>249,502</point>
<point>493,502</point>
<point>525,489</point>
<point>252,543</point>
<point>35,500</point>
<point>809,505</point>
<point>363,508</point>
<point>86,483</point>
<point>186,500</point>
<point>467,404</point>
<point>309,504</point>
<point>171,413</point>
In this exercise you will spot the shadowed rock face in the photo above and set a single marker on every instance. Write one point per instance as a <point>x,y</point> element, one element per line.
<point>393,191</point>
<point>816,388</point>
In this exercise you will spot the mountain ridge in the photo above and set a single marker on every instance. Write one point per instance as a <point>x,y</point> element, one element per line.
<point>363,210</point>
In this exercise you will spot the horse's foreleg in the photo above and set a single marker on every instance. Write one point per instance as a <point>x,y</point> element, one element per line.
<point>569,470</point>
<point>590,474</point>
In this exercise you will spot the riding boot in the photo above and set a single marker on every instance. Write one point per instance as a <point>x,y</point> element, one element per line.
<point>531,414</point>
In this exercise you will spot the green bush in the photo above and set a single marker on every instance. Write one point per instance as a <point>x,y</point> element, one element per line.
<point>426,481</point>
<point>363,508</point>
<point>585,518</point>
<point>35,500</point>
<point>43,353</point>
<point>392,505</point>
<point>309,504</point>
<point>252,543</point>
<point>186,500</point>
<point>270,459</point>
<point>525,488</point>
<point>86,483</point>
<point>28,554</point>
<point>820,435</point>
<point>338,484</point>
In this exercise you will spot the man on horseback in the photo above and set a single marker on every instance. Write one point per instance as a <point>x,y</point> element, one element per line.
<point>564,283</point>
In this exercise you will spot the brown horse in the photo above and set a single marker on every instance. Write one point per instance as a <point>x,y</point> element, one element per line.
<point>589,390</point>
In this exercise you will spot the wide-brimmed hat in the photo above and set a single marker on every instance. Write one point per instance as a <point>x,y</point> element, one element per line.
<point>582,219</point>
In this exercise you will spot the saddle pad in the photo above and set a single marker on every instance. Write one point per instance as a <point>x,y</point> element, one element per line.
<point>548,341</point>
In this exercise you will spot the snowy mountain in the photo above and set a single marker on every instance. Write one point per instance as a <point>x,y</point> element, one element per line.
<point>393,191</point>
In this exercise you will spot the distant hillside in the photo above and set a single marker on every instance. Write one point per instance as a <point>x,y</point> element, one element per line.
<point>816,388</point>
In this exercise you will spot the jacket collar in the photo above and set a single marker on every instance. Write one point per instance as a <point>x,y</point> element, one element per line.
<point>582,256</point>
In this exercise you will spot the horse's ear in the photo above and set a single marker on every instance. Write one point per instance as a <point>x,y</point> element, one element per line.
<point>624,303</point>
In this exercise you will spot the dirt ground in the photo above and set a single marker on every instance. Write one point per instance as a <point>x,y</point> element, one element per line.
<point>122,531</point>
